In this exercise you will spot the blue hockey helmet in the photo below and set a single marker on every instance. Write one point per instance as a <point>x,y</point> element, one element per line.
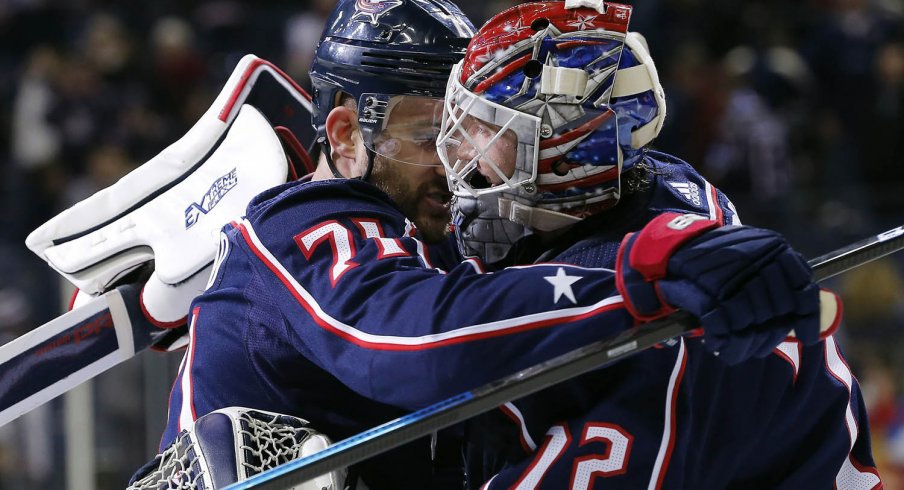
<point>381,51</point>
<point>553,102</point>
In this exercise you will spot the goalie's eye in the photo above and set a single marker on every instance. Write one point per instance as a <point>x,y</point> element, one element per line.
<point>482,129</point>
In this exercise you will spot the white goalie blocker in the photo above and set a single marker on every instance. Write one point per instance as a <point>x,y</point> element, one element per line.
<point>171,208</point>
<point>231,445</point>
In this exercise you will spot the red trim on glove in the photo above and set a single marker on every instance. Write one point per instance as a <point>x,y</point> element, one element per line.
<point>661,237</point>
<point>665,308</point>
<point>620,279</point>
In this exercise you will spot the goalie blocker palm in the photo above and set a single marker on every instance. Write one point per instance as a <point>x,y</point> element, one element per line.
<point>747,286</point>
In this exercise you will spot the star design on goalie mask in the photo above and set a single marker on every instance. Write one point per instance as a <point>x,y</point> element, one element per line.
<point>492,55</point>
<point>487,56</point>
<point>516,29</point>
<point>562,285</point>
<point>583,22</point>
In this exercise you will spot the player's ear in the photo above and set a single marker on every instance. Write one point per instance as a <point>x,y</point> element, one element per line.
<point>343,134</point>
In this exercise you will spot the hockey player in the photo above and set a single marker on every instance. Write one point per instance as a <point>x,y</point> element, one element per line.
<point>326,302</point>
<point>379,74</point>
<point>545,143</point>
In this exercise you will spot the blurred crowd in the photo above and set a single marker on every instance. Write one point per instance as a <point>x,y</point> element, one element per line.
<point>794,109</point>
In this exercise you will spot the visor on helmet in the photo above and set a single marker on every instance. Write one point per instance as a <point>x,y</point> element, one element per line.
<point>486,147</point>
<point>401,128</point>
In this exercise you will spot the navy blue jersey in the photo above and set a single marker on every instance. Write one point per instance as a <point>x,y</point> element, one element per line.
<point>676,417</point>
<point>325,305</point>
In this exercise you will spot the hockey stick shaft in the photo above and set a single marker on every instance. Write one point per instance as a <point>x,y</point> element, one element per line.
<point>857,254</point>
<point>471,403</point>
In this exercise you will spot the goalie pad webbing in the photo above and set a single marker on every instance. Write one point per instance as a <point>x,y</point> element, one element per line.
<point>230,445</point>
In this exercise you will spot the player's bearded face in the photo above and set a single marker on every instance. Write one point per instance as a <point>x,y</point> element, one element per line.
<point>420,192</point>
<point>408,168</point>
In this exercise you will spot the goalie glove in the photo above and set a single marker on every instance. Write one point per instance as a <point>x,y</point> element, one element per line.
<point>747,286</point>
<point>233,444</point>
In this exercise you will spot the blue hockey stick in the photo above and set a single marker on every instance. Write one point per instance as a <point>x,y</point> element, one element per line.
<point>479,400</point>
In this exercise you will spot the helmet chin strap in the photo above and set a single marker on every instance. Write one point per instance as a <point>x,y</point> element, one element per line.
<point>371,156</point>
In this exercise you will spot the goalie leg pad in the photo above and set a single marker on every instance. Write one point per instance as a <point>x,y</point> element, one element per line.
<point>231,445</point>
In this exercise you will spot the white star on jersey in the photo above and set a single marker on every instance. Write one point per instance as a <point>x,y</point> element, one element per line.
<point>562,283</point>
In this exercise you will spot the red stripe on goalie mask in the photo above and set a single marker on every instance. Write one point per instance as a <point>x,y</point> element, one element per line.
<point>547,165</point>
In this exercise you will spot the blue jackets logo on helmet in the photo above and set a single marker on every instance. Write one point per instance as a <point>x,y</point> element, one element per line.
<point>390,47</point>
<point>371,10</point>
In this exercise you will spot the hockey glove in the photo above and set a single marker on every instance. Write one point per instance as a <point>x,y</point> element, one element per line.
<point>747,286</point>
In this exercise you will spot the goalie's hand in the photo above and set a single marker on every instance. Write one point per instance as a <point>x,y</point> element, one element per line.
<point>747,286</point>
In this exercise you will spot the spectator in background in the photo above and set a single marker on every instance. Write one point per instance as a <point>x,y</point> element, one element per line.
<point>84,109</point>
<point>750,157</point>
<point>883,154</point>
<point>178,68</point>
<point>36,142</point>
<point>109,48</point>
<point>693,91</point>
<point>106,164</point>
<point>36,145</point>
<point>302,35</point>
<point>842,47</point>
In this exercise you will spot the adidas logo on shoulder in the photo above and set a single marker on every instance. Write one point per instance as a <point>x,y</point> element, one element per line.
<point>689,190</point>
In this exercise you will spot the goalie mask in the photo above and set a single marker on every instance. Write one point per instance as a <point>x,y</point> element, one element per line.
<point>392,57</point>
<point>552,103</point>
